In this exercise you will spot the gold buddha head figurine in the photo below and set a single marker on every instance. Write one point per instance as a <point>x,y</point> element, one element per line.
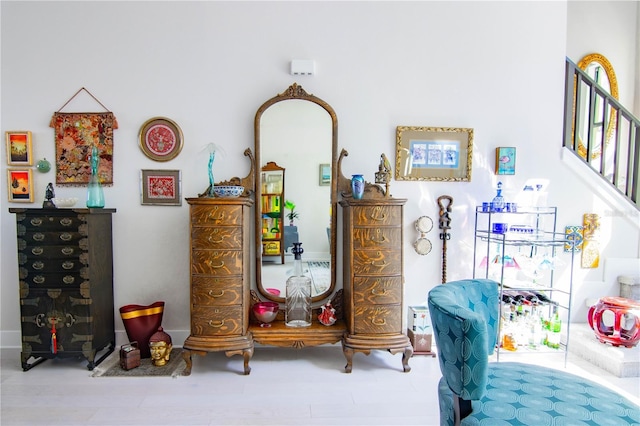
<point>160,347</point>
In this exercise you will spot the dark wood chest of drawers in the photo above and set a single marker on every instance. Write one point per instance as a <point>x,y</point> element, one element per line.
<point>66,284</point>
<point>220,230</point>
<point>373,277</point>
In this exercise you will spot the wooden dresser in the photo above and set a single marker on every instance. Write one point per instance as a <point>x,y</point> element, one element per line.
<point>373,278</point>
<point>66,284</point>
<point>220,265</point>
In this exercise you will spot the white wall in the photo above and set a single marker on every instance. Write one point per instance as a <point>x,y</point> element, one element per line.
<point>497,67</point>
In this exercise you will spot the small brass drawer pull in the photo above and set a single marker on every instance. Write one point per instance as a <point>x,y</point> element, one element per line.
<point>65,221</point>
<point>216,295</point>
<point>38,236</point>
<point>67,265</point>
<point>67,250</point>
<point>37,251</point>
<point>68,279</point>
<point>65,236</point>
<point>380,265</point>
<point>36,221</point>
<point>210,264</point>
<point>38,265</point>
<point>216,324</point>
<point>38,279</point>
<point>379,321</point>
<point>379,293</point>
<point>216,240</point>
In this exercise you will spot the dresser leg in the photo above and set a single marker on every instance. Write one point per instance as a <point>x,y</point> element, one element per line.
<point>348,353</point>
<point>408,353</point>
<point>248,353</point>
<point>186,355</point>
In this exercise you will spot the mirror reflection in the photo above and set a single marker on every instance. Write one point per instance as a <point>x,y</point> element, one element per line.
<point>294,144</point>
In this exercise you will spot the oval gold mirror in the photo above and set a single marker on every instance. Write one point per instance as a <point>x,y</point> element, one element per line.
<point>601,71</point>
<point>296,151</point>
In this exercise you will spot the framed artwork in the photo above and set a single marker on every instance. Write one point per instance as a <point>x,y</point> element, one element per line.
<point>325,174</point>
<point>433,153</point>
<point>75,136</point>
<point>160,139</point>
<point>20,183</point>
<point>505,161</point>
<point>19,148</point>
<point>161,187</point>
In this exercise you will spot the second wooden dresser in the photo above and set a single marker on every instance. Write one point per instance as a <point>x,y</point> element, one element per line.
<point>373,278</point>
<point>219,300</point>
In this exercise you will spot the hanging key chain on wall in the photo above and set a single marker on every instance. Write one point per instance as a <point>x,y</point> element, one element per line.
<point>445,202</point>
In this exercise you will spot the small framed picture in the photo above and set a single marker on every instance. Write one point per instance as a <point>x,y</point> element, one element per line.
<point>160,139</point>
<point>20,182</point>
<point>434,153</point>
<point>19,148</point>
<point>161,187</point>
<point>325,174</point>
<point>505,161</point>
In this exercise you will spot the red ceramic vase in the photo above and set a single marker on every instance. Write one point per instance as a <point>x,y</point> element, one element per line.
<point>140,322</point>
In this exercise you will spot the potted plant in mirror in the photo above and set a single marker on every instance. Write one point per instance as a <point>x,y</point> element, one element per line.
<point>289,205</point>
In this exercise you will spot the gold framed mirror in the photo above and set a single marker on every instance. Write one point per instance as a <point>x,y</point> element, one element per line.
<point>298,132</point>
<point>600,70</point>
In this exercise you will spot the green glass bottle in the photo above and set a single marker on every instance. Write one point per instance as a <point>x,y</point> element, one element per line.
<point>555,330</point>
<point>95,195</point>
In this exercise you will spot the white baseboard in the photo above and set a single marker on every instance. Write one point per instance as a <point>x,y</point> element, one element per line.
<point>12,339</point>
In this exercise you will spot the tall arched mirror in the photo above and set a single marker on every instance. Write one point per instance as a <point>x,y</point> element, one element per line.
<point>296,132</point>
<point>601,71</point>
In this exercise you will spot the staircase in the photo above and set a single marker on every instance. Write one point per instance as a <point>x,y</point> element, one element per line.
<point>602,134</point>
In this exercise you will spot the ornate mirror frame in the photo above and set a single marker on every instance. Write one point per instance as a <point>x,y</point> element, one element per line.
<point>601,60</point>
<point>295,92</point>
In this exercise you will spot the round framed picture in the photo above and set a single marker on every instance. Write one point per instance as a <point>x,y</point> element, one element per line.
<point>160,139</point>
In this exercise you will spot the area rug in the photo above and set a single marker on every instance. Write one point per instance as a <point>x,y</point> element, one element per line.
<point>110,367</point>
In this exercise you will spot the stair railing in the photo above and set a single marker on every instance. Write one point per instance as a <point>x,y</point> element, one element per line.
<point>601,132</point>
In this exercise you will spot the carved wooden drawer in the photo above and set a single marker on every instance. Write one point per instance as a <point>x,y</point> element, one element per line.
<point>227,215</point>
<point>377,215</point>
<point>216,320</point>
<point>220,237</point>
<point>34,251</point>
<point>210,291</point>
<point>377,319</point>
<point>377,290</point>
<point>51,237</point>
<point>45,222</point>
<point>376,238</point>
<point>377,262</point>
<point>216,262</point>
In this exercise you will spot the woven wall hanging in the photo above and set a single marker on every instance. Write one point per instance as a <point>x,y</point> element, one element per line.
<point>76,133</point>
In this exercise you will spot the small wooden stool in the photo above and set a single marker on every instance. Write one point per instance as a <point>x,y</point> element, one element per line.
<point>625,330</point>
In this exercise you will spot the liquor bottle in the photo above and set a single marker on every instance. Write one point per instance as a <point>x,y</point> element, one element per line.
<point>555,327</point>
<point>298,293</point>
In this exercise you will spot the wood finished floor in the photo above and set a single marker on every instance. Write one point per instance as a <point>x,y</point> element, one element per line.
<point>286,387</point>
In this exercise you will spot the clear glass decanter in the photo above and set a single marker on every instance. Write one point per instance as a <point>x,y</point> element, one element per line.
<point>298,293</point>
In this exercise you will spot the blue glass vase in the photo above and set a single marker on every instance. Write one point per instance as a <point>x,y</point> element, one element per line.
<point>357,186</point>
<point>95,195</point>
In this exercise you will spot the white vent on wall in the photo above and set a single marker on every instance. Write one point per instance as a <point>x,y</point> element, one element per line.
<point>303,67</point>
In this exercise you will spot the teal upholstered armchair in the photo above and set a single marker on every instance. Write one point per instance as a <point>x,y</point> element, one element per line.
<point>474,391</point>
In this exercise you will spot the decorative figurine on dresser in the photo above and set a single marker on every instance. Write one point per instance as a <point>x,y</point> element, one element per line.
<point>372,268</point>
<point>65,273</point>
<point>220,223</point>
